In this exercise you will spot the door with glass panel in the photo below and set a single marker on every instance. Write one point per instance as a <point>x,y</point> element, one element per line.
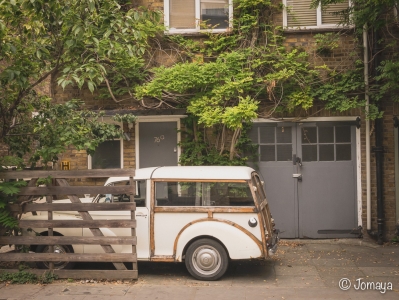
<point>310,177</point>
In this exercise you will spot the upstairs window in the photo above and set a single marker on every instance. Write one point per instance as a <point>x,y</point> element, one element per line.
<point>188,16</point>
<point>298,14</point>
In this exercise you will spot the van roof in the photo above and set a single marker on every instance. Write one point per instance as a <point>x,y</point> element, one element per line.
<point>191,172</point>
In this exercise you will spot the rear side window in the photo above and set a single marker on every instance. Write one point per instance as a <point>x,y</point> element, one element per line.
<point>203,194</point>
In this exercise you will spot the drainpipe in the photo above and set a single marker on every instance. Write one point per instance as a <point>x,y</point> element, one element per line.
<point>368,149</point>
<point>378,152</point>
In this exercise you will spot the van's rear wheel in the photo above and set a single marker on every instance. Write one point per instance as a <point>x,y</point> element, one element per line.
<point>58,265</point>
<point>206,259</point>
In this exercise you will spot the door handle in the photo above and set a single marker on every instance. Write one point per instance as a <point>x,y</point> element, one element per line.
<point>297,176</point>
<point>296,160</point>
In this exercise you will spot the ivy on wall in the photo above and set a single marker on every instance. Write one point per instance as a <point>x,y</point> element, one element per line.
<point>226,80</point>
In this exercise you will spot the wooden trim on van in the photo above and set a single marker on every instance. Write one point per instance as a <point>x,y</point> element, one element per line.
<point>205,209</point>
<point>163,258</point>
<point>152,202</point>
<point>197,180</point>
<point>261,218</point>
<point>258,242</point>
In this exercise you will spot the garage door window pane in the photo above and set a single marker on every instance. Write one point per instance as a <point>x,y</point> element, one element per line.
<point>284,152</point>
<point>267,153</point>
<point>343,134</point>
<point>267,135</point>
<point>326,134</point>
<point>309,152</point>
<point>284,135</point>
<point>107,156</point>
<point>309,135</point>
<point>344,152</point>
<point>326,152</point>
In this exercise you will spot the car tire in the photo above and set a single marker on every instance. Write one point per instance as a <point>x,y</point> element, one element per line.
<point>206,259</point>
<point>58,265</point>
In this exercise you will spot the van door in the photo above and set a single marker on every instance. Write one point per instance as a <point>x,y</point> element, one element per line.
<point>142,221</point>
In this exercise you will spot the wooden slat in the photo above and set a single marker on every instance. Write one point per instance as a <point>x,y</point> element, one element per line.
<point>73,190</point>
<point>122,206</point>
<point>87,274</point>
<point>67,240</point>
<point>96,173</point>
<point>85,257</point>
<point>203,209</point>
<point>95,231</point>
<point>77,224</point>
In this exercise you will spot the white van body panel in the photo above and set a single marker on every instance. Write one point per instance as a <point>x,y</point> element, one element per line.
<point>166,228</point>
<point>238,244</point>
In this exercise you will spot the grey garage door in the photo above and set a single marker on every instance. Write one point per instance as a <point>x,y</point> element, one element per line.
<point>310,177</point>
<point>157,144</point>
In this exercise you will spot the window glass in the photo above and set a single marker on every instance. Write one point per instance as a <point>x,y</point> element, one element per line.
<point>267,153</point>
<point>196,15</point>
<point>139,198</point>
<point>299,13</point>
<point>326,134</point>
<point>203,194</point>
<point>107,155</point>
<point>215,13</point>
<point>343,134</point>
<point>309,135</point>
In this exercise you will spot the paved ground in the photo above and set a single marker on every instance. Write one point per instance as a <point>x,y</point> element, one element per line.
<point>301,270</point>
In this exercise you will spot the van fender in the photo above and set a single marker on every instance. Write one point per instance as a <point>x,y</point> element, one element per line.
<point>239,242</point>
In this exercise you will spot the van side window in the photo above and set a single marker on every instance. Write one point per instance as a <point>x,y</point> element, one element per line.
<point>139,198</point>
<point>203,194</point>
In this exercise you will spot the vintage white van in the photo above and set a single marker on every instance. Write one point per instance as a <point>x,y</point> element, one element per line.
<point>202,215</point>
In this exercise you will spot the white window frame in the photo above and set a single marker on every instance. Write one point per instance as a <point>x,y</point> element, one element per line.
<point>197,28</point>
<point>318,19</point>
<point>110,121</point>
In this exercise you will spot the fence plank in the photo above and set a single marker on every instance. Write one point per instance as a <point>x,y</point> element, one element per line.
<point>77,224</point>
<point>122,206</point>
<point>73,190</point>
<point>78,257</point>
<point>87,274</point>
<point>67,240</point>
<point>95,231</point>
<point>95,173</point>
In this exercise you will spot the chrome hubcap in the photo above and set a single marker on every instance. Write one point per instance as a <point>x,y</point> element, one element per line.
<point>206,260</point>
<point>57,264</point>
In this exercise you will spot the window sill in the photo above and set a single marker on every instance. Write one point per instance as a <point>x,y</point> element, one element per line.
<point>189,32</point>
<point>317,29</point>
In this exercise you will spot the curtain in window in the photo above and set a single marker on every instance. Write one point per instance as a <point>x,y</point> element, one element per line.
<point>299,13</point>
<point>327,13</point>
<point>182,14</point>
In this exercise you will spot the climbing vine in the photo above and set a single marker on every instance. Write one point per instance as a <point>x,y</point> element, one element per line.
<point>226,80</point>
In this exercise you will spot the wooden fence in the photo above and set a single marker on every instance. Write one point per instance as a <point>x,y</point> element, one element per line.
<point>60,186</point>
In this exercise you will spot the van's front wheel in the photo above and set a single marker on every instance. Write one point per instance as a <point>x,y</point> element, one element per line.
<point>58,265</point>
<point>206,259</point>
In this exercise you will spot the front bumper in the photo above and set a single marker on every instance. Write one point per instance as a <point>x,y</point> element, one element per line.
<point>272,245</point>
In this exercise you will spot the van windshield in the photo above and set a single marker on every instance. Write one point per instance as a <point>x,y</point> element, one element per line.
<point>203,194</point>
<point>139,198</point>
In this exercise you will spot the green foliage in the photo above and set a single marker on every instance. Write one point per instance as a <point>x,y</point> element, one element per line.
<point>197,151</point>
<point>326,43</point>
<point>24,277</point>
<point>60,125</point>
<point>98,44</point>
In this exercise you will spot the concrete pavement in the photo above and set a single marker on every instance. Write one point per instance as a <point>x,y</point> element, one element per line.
<point>300,270</point>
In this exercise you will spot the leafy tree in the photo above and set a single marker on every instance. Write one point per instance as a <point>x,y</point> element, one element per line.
<point>94,44</point>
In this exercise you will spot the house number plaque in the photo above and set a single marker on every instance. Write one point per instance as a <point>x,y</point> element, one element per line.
<point>158,139</point>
